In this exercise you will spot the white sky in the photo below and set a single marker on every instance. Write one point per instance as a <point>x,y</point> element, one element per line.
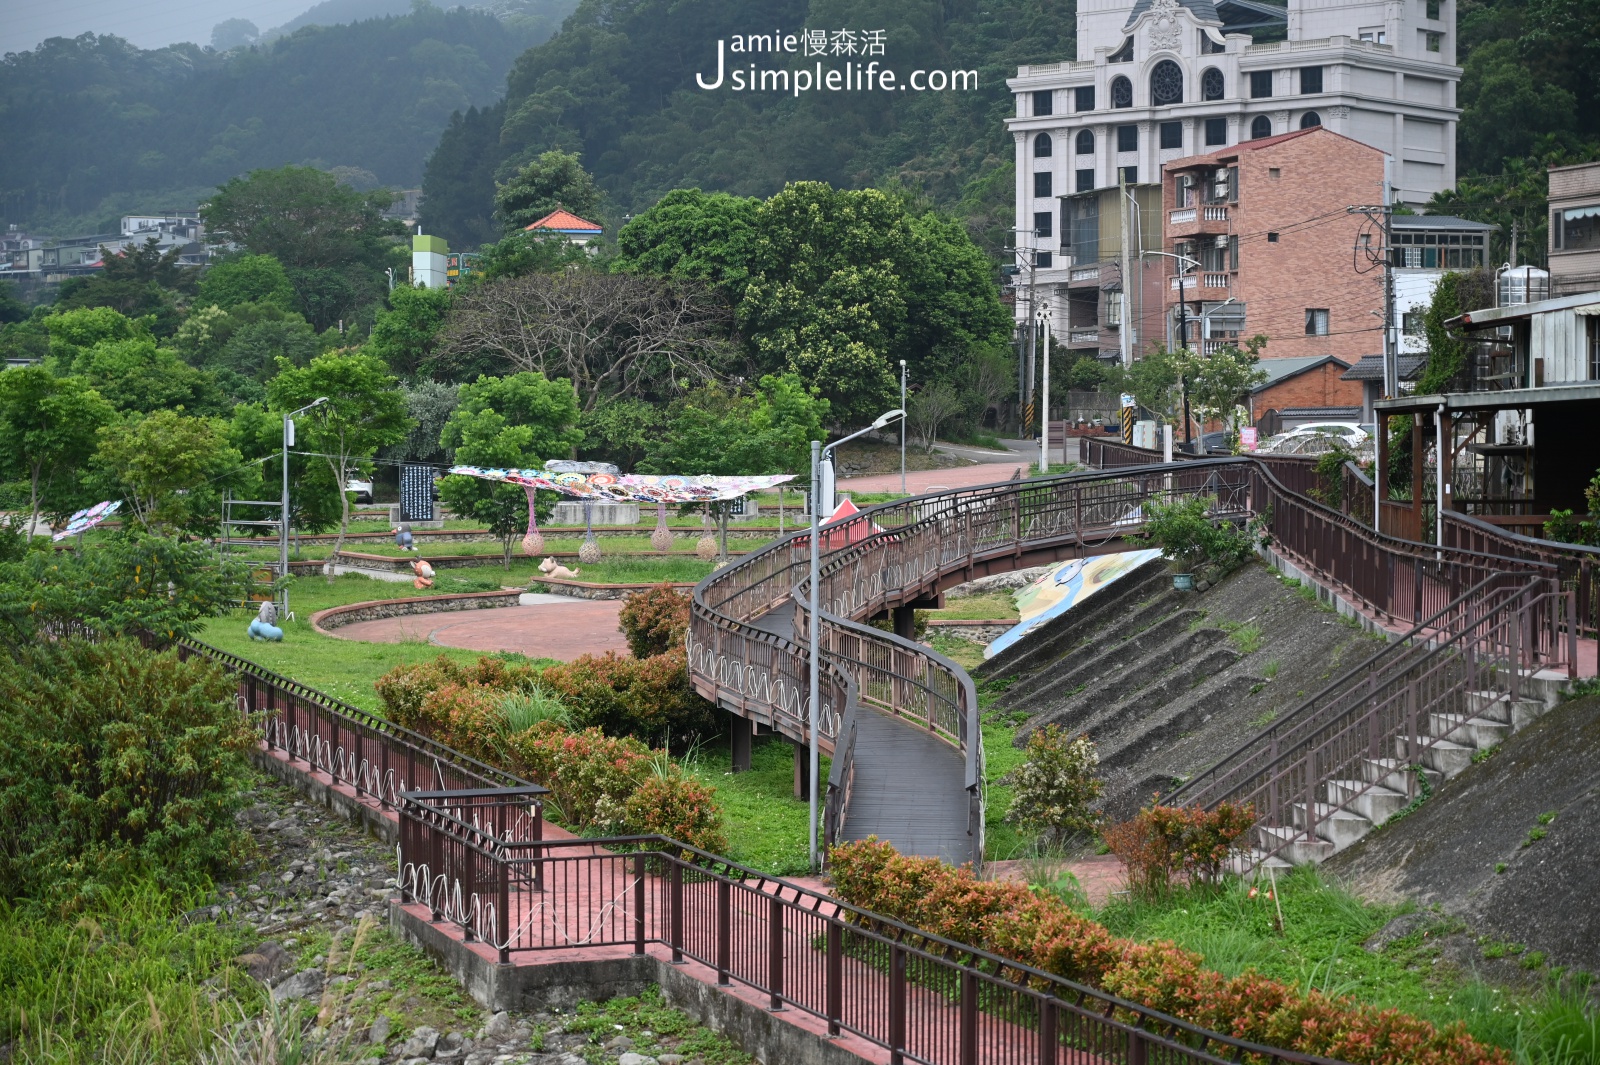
<point>147,23</point>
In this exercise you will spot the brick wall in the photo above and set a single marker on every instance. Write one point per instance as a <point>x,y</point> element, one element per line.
<point>1297,187</point>
<point>1320,387</point>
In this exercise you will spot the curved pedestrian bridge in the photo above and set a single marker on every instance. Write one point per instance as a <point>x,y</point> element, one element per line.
<point>902,722</point>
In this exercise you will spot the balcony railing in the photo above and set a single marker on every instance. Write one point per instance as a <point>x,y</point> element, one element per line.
<point>1209,280</point>
<point>1178,218</point>
<point>1084,336</point>
<point>1086,273</point>
<point>1217,213</point>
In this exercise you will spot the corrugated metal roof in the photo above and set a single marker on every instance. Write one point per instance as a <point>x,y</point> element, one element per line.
<point>1370,368</point>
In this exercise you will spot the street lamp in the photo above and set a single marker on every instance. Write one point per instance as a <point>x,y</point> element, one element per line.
<point>902,428</point>
<point>1205,335</point>
<point>283,513</point>
<point>1044,314</point>
<point>1183,338</point>
<point>823,457</point>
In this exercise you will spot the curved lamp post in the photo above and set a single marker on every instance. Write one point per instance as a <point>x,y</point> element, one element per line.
<point>823,457</point>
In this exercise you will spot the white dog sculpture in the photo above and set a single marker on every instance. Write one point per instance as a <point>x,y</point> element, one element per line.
<point>551,568</point>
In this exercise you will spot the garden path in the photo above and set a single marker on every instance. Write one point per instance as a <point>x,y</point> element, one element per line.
<point>556,626</point>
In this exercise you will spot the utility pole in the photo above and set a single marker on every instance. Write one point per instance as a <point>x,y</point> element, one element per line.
<point>1044,392</point>
<point>1515,226</point>
<point>1183,346</point>
<point>1125,332</point>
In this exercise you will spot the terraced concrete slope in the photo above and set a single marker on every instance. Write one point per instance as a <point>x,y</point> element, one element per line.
<point>1486,847</point>
<point>1168,682</point>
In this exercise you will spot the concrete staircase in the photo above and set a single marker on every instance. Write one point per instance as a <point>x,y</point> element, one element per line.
<point>1346,810</point>
<point>1134,672</point>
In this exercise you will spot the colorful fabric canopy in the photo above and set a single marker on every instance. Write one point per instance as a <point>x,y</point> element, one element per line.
<point>86,519</point>
<point>644,488</point>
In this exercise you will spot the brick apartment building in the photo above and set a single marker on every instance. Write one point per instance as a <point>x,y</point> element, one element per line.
<point>1275,253</point>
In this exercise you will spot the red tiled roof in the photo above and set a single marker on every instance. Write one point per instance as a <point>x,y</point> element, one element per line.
<point>563,221</point>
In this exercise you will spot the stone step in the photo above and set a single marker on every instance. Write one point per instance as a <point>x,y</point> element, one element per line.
<point>1103,657</point>
<point>1477,732</point>
<point>1373,801</point>
<point>1255,863</point>
<point>1292,845</point>
<point>1498,706</point>
<point>1395,773</point>
<point>1338,826</point>
<point>1445,756</point>
<point>1044,648</point>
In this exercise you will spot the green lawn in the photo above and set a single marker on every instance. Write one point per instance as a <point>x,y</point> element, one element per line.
<point>766,824</point>
<point>990,605</point>
<point>345,669</point>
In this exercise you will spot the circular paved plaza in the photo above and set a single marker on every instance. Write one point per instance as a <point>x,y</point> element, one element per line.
<point>554,626</point>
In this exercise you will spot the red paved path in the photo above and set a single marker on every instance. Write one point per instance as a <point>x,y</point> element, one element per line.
<point>558,627</point>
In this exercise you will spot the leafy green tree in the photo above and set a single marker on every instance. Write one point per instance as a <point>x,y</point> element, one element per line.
<point>247,279</point>
<point>518,254</point>
<point>1221,381</point>
<point>12,309</point>
<point>517,421</point>
<point>135,375</point>
<point>48,431</point>
<point>622,431</point>
<point>233,33</point>
<point>1506,113</point>
<point>331,239</point>
<point>714,430</point>
<point>695,236</point>
<point>364,411</point>
<point>404,336</point>
<point>429,405</point>
<point>73,331</point>
<point>1152,381</point>
<point>314,497</point>
<point>172,469</point>
<point>555,179</point>
<point>142,282</point>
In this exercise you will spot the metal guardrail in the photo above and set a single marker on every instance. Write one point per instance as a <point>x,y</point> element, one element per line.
<point>375,757</point>
<point>1577,564</point>
<point>919,996</point>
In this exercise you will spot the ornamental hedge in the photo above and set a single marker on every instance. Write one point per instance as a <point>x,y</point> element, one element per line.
<point>1042,931</point>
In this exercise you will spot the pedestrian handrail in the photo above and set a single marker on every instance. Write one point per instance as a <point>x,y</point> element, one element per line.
<point>1578,564</point>
<point>374,756</point>
<point>920,996</point>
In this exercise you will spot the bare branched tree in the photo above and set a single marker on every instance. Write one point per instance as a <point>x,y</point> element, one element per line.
<point>609,334</point>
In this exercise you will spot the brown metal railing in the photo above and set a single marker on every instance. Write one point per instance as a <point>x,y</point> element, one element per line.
<point>1356,497</point>
<point>1576,563</point>
<point>375,757</point>
<point>918,996</point>
<point>1368,727</point>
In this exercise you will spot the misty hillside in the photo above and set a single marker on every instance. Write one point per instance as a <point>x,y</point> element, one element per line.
<point>95,127</point>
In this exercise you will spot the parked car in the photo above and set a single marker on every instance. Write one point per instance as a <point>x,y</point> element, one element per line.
<point>361,488</point>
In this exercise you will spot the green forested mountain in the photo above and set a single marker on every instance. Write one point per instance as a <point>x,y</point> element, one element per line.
<point>94,127</point>
<point>617,85</point>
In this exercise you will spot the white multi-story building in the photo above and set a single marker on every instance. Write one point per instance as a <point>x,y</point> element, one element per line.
<point>1157,80</point>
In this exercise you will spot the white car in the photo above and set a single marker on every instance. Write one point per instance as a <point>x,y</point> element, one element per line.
<point>361,489</point>
<point>1352,432</point>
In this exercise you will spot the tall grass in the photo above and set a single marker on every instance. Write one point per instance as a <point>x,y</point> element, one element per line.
<point>128,982</point>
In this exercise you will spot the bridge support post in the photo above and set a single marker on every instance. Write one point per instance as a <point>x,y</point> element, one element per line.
<point>905,622</point>
<point>741,732</point>
<point>802,770</point>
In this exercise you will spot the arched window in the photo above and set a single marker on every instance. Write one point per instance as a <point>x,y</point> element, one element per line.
<point>1042,146</point>
<point>1309,119</point>
<point>1166,83</point>
<point>1261,127</point>
<point>1085,142</point>
<point>1211,84</point>
<point>1121,92</point>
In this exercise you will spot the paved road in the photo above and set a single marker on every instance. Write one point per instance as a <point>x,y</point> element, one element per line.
<point>556,626</point>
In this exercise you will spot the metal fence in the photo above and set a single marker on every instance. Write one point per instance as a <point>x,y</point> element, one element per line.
<point>1410,696</point>
<point>1576,563</point>
<point>376,758</point>
<point>918,996</point>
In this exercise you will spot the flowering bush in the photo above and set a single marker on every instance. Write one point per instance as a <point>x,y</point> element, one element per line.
<point>1056,785</point>
<point>655,621</point>
<point>648,697</point>
<point>1165,842</point>
<point>1041,930</point>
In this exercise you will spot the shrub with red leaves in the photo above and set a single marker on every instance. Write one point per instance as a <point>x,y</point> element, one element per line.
<point>655,621</point>
<point>1041,930</point>
<point>645,697</point>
